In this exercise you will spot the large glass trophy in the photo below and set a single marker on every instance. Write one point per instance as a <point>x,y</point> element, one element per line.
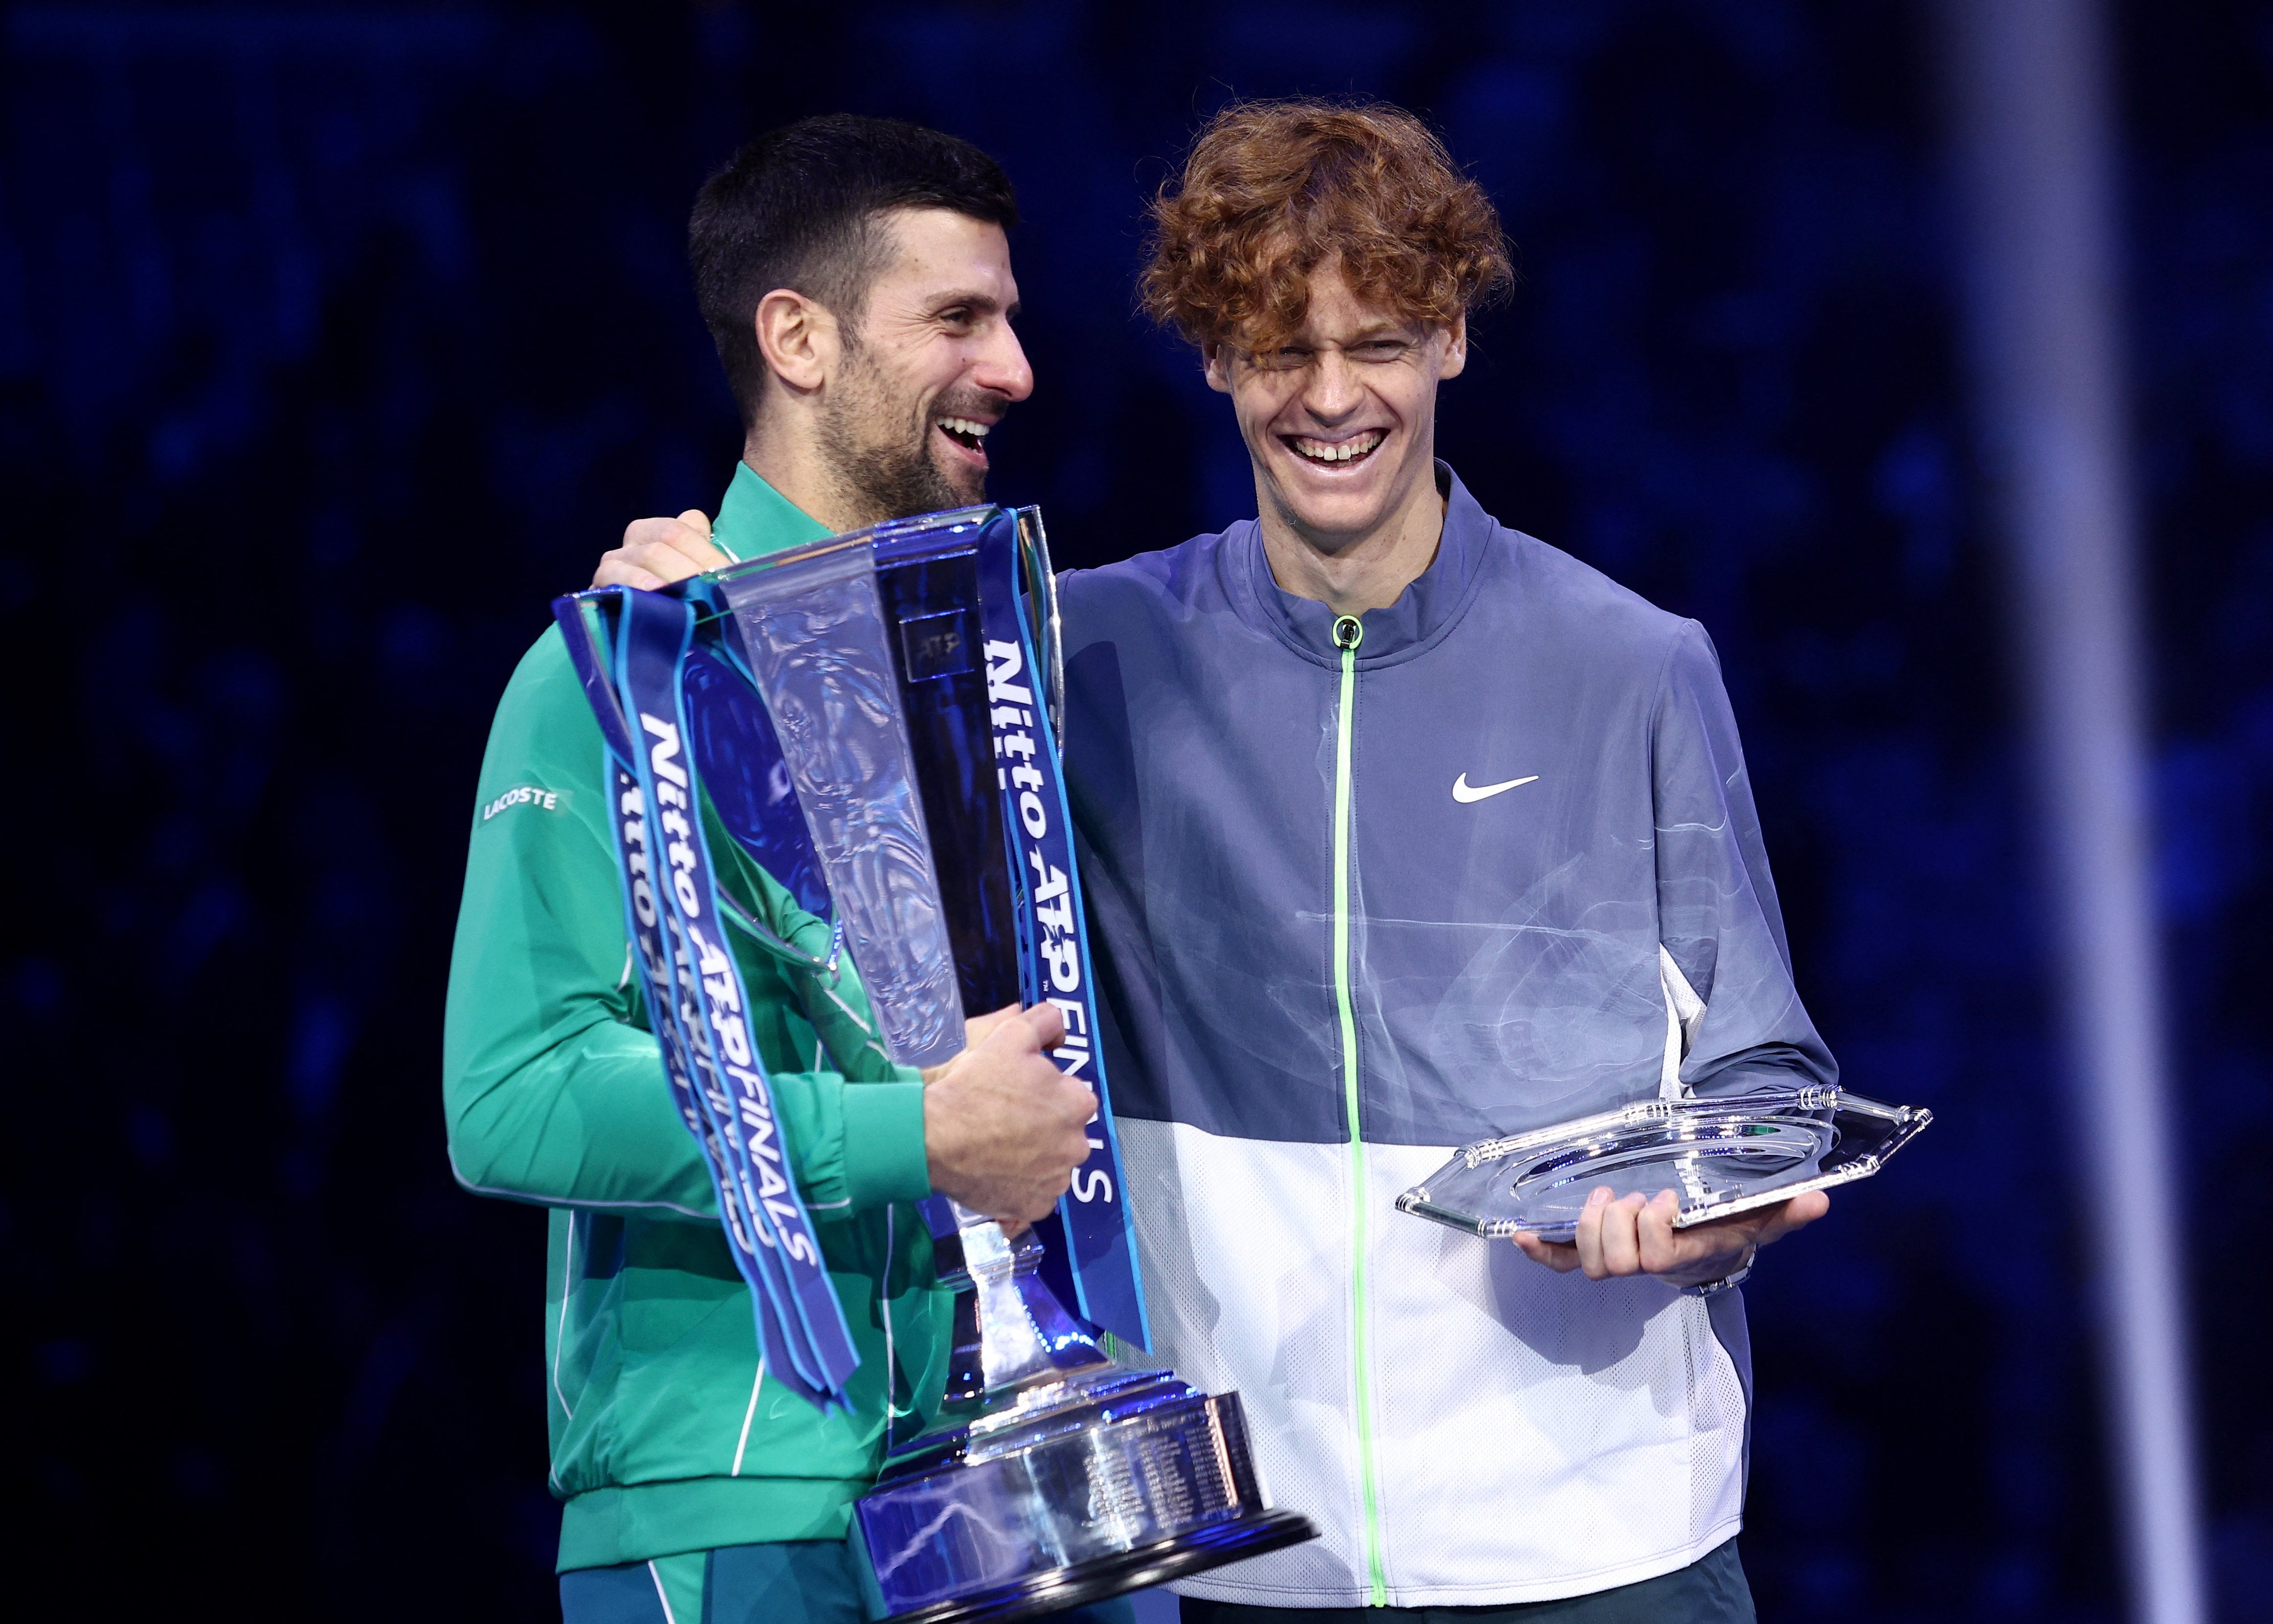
<point>873,718</point>
<point>1720,1155</point>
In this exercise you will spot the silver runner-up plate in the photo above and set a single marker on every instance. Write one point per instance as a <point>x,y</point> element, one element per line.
<point>1721,1157</point>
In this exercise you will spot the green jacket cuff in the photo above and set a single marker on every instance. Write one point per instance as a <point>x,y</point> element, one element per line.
<point>884,1157</point>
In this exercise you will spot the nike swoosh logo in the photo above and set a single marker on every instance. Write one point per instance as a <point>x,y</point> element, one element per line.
<point>1464,792</point>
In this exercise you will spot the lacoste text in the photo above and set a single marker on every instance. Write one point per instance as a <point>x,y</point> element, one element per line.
<point>525,794</point>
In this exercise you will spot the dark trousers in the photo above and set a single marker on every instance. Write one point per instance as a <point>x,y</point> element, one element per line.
<point>791,1581</point>
<point>1710,1590</point>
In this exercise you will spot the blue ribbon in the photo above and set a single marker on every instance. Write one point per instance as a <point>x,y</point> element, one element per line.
<point>1055,962</point>
<point>697,1002</point>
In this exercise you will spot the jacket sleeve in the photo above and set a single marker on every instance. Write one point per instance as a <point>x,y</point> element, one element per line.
<point>553,1089</point>
<point>1718,920</point>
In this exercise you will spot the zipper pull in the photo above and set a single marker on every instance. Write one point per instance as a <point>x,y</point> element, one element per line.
<point>1349,631</point>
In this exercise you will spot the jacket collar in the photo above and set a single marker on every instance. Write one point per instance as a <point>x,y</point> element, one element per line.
<point>754,519</point>
<point>1426,610</point>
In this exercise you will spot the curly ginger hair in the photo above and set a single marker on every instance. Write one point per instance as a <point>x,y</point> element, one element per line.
<point>1272,190</point>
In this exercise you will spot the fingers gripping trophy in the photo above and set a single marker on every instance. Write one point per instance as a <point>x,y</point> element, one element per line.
<point>872,718</point>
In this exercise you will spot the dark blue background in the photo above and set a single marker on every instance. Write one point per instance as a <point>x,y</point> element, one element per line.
<point>335,342</point>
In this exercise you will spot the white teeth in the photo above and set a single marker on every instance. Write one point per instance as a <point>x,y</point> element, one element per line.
<point>1343,451</point>
<point>964,425</point>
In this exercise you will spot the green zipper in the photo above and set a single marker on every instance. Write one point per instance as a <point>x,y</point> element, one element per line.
<point>1348,633</point>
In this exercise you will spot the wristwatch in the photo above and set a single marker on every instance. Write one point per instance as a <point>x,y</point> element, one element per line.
<point>1728,1282</point>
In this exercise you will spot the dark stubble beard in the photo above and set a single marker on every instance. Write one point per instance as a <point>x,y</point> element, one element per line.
<point>880,471</point>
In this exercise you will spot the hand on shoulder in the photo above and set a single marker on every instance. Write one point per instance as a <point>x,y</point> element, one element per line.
<point>658,552</point>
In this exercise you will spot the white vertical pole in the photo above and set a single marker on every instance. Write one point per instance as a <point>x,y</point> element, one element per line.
<point>2030,102</point>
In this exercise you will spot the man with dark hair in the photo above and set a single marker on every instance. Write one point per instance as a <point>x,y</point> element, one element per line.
<point>1467,848</point>
<point>857,275</point>
<point>808,217</point>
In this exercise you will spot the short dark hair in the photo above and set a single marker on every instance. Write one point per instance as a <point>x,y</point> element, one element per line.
<point>797,208</point>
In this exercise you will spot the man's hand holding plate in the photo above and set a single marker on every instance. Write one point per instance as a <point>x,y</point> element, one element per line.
<point>1631,1236</point>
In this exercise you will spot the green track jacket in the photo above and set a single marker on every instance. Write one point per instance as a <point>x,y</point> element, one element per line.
<point>666,1435</point>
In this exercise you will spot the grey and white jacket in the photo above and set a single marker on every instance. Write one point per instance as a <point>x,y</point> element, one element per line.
<point>1496,867</point>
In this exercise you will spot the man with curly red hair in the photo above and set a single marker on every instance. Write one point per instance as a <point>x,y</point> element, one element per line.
<point>1402,829</point>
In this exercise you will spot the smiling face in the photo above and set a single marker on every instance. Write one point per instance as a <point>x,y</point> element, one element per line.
<point>928,371</point>
<point>1341,421</point>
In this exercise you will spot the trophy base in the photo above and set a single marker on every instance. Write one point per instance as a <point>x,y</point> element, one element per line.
<point>1080,1486</point>
<point>1103,1577</point>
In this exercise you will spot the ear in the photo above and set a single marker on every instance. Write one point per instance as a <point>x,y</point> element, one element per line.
<point>1456,349</point>
<point>799,338</point>
<point>1213,361</point>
